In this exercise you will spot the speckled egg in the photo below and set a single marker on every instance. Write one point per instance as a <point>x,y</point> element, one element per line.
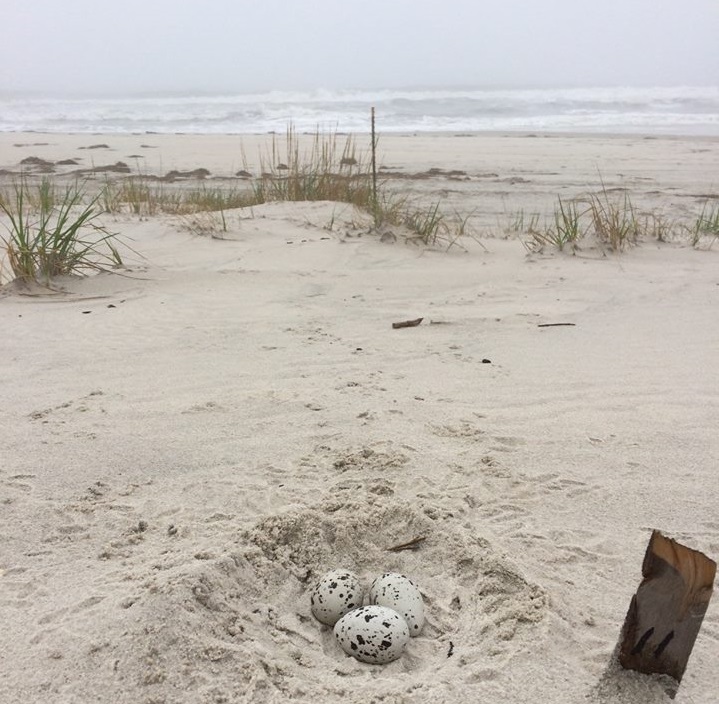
<point>401,594</point>
<point>337,593</point>
<point>373,634</point>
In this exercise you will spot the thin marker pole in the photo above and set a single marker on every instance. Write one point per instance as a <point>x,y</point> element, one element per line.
<point>374,170</point>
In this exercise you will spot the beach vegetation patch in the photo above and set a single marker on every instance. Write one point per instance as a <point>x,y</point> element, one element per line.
<point>425,223</point>
<point>519,222</point>
<point>705,225</point>
<point>50,234</point>
<point>334,168</point>
<point>329,169</point>
<point>205,222</point>
<point>135,195</point>
<point>566,229</point>
<point>609,223</point>
<point>143,197</point>
<point>429,225</point>
<point>658,227</point>
<point>615,222</point>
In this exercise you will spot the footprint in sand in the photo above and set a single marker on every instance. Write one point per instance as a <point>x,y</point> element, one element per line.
<point>464,430</point>
<point>19,482</point>
<point>64,411</point>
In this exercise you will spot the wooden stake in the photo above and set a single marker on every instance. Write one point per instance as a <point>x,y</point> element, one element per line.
<point>666,613</point>
<point>374,172</point>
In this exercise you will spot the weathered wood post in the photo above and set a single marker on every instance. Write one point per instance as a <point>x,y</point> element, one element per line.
<point>666,612</point>
<point>375,204</point>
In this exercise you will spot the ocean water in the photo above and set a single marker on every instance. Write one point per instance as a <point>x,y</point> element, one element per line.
<point>680,111</point>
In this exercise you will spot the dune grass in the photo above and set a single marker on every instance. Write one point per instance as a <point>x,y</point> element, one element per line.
<point>329,166</point>
<point>336,169</point>
<point>138,196</point>
<point>519,222</point>
<point>322,166</point>
<point>567,228</point>
<point>705,224</point>
<point>52,233</point>
<point>329,169</point>
<point>613,223</point>
<point>49,229</point>
<point>426,223</point>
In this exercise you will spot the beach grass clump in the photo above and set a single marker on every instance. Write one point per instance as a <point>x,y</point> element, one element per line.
<point>214,200</point>
<point>566,231</point>
<point>568,228</point>
<point>710,220</point>
<point>330,169</point>
<point>132,194</point>
<point>614,221</point>
<point>322,166</point>
<point>520,223</point>
<point>335,169</point>
<point>51,236</point>
<point>205,222</point>
<point>706,224</point>
<point>615,224</point>
<point>429,225</point>
<point>139,196</point>
<point>146,198</point>
<point>45,197</point>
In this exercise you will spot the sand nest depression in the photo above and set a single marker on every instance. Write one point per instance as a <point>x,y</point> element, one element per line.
<point>236,625</point>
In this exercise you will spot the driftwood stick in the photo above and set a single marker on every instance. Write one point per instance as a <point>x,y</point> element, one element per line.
<point>409,545</point>
<point>408,323</point>
<point>556,325</point>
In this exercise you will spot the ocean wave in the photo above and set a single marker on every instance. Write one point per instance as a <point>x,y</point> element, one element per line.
<point>680,110</point>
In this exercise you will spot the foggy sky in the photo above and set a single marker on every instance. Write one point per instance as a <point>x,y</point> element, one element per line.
<point>104,47</point>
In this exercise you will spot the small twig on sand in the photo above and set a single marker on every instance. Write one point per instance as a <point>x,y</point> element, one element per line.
<point>408,323</point>
<point>413,544</point>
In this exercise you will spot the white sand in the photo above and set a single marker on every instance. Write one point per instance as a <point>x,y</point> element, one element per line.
<point>188,445</point>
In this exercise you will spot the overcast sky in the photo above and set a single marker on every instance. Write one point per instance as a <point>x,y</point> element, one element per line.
<point>135,46</point>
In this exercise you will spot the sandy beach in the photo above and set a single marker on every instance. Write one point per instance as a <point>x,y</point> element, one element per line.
<point>191,441</point>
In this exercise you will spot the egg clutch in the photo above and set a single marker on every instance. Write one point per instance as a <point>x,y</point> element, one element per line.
<point>378,632</point>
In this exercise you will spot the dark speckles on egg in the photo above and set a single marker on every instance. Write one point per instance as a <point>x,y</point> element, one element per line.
<point>400,593</point>
<point>372,634</point>
<point>335,594</point>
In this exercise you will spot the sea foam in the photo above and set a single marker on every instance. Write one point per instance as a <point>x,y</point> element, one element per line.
<point>681,110</point>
